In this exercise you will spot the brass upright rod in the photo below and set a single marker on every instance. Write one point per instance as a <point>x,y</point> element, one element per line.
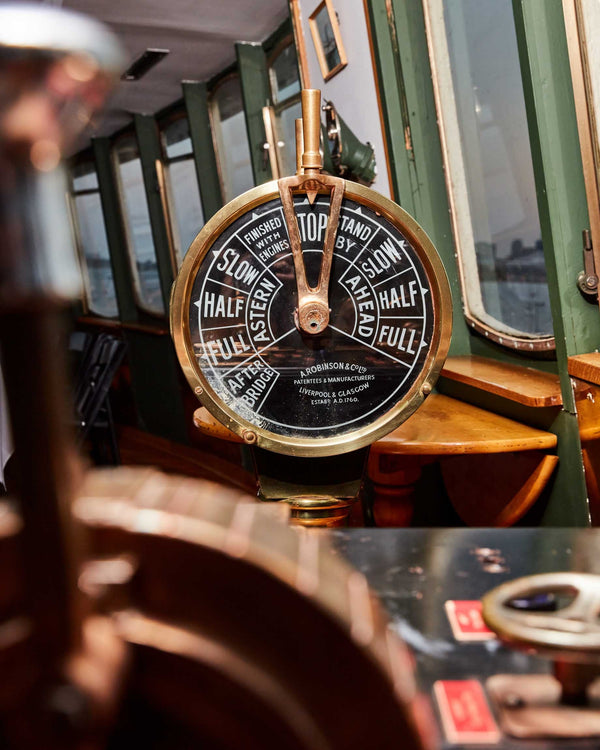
<point>311,120</point>
<point>299,145</point>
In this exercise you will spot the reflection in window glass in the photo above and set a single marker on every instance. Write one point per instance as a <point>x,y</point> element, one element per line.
<point>327,37</point>
<point>285,92</point>
<point>490,165</point>
<point>185,206</point>
<point>285,132</point>
<point>283,74</point>
<point>92,241</point>
<point>145,266</point>
<point>231,139</point>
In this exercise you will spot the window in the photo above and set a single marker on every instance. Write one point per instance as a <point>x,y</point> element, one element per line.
<point>139,232</point>
<point>285,92</point>
<point>489,169</point>
<point>283,72</point>
<point>92,243</point>
<point>231,138</point>
<point>185,207</point>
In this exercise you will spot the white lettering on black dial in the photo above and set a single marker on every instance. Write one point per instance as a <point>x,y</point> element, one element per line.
<point>251,351</point>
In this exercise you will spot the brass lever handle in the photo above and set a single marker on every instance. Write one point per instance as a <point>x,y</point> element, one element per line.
<point>313,302</point>
<point>311,127</point>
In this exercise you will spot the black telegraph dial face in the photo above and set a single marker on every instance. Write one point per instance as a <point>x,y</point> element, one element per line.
<point>245,337</point>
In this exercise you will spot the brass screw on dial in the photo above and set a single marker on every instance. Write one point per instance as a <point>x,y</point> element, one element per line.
<point>313,317</point>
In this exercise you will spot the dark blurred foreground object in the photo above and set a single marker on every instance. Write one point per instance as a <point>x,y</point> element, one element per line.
<point>55,71</point>
<point>138,609</point>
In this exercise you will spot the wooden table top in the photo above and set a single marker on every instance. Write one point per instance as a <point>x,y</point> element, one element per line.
<point>446,426</point>
<point>441,426</point>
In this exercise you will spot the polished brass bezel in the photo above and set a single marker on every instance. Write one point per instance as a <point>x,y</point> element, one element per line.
<point>251,433</point>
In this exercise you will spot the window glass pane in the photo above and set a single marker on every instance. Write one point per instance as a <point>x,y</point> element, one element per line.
<point>92,235</point>
<point>285,132</point>
<point>233,152</point>
<point>185,206</point>
<point>283,73</point>
<point>146,275</point>
<point>490,165</point>
<point>330,48</point>
<point>84,176</point>
<point>176,138</point>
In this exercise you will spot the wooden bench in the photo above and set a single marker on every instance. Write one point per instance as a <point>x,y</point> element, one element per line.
<point>523,385</point>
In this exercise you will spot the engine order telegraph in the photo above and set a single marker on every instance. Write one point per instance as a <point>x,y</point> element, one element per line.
<point>311,315</point>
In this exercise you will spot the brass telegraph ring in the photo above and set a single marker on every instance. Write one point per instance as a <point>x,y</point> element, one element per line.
<point>312,315</point>
<point>571,633</point>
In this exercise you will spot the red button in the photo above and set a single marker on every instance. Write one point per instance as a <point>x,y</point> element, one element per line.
<point>465,713</point>
<point>466,620</point>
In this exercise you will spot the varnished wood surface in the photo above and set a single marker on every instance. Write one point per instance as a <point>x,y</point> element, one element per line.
<point>443,425</point>
<point>446,426</point>
<point>586,367</point>
<point>521,384</point>
<point>587,404</point>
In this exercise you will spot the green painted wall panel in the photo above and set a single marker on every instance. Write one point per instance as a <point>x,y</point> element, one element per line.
<point>563,214</point>
<point>157,381</point>
<point>568,504</point>
<point>393,98</point>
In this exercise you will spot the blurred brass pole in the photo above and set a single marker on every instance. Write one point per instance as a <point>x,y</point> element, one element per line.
<point>54,74</point>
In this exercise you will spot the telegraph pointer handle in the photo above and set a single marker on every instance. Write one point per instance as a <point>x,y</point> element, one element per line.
<point>313,302</point>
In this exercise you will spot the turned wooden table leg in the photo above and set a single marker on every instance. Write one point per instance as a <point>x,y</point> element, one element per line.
<point>393,478</point>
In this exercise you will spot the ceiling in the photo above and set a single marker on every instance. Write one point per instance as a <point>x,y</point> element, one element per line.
<point>200,35</point>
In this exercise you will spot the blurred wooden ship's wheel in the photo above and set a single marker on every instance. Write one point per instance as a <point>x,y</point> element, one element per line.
<point>140,610</point>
